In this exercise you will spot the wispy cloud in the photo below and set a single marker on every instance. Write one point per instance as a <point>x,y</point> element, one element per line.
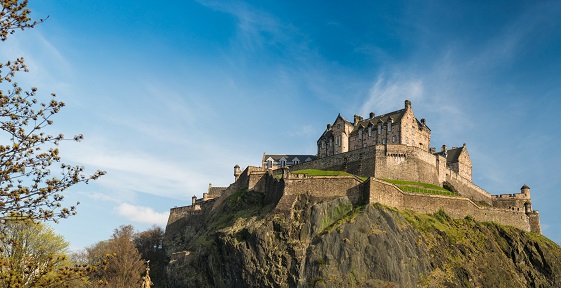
<point>387,94</point>
<point>256,28</point>
<point>140,214</point>
<point>132,171</point>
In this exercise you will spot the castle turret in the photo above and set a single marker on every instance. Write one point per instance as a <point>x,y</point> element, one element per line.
<point>525,190</point>
<point>237,171</point>
<point>372,115</point>
<point>407,104</point>
<point>194,199</point>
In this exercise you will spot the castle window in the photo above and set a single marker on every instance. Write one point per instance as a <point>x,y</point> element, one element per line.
<point>394,138</point>
<point>384,141</point>
<point>379,128</point>
<point>269,164</point>
<point>360,134</point>
<point>340,140</point>
<point>330,142</point>
<point>389,126</point>
<point>282,163</point>
<point>322,143</point>
<point>369,131</point>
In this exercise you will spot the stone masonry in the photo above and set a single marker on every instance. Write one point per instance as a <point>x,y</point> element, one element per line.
<point>394,145</point>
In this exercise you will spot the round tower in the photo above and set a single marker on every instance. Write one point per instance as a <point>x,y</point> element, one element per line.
<point>525,190</point>
<point>237,172</point>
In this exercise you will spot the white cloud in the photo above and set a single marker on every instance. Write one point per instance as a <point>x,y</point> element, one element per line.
<point>387,95</point>
<point>132,171</point>
<point>141,214</point>
<point>100,196</point>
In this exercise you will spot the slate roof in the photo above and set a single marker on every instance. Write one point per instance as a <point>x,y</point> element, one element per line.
<point>395,116</point>
<point>452,155</point>
<point>278,157</point>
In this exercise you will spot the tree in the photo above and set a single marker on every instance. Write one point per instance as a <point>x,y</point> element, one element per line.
<point>33,255</point>
<point>123,264</point>
<point>28,187</point>
<point>149,244</point>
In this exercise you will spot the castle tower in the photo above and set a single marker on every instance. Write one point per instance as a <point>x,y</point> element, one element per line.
<point>525,190</point>
<point>237,172</point>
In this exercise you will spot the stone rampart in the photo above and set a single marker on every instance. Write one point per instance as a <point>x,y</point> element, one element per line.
<point>457,207</point>
<point>406,168</point>
<point>466,188</point>
<point>515,201</point>
<point>177,213</point>
<point>323,187</point>
<point>392,161</point>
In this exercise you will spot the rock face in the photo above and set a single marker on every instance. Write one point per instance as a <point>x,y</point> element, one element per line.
<point>242,243</point>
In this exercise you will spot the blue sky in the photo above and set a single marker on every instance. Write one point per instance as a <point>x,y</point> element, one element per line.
<point>171,96</point>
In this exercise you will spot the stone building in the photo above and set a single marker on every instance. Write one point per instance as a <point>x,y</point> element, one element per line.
<point>273,162</point>
<point>457,159</point>
<point>397,127</point>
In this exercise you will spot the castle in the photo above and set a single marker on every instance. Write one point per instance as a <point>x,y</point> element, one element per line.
<point>375,151</point>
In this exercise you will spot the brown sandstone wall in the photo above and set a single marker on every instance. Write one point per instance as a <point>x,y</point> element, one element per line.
<point>324,187</point>
<point>466,188</point>
<point>457,207</point>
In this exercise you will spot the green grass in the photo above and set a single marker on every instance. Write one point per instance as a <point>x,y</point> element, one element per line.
<point>419,187</point>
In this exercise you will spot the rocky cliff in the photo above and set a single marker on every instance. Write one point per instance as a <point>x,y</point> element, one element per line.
<point>330,243</point>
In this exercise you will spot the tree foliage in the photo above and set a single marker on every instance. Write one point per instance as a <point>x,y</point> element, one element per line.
<point>28,186</point>
<point>14,16</point>
<point>31,175</point>
<point>123,264</point>
<point>32,255</point>
<point>149,244</point>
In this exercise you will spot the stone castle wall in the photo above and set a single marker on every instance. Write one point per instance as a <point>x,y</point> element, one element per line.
<point>457,207</point>
<point>467,188</point>
<point>281,188</point>
<point>400,162</point>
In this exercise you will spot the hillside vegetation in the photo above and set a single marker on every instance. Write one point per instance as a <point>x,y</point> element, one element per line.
<point>243,243</point>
